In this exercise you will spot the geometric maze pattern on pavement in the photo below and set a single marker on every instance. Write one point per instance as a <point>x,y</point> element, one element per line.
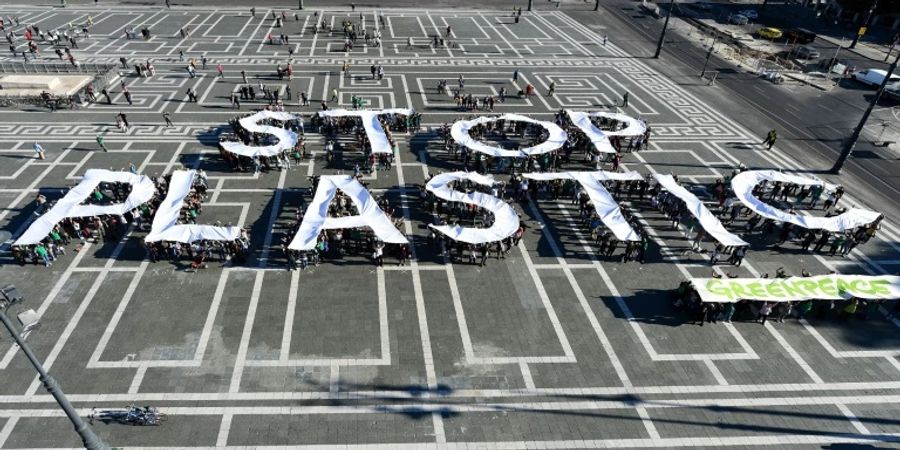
<point>550,348</point>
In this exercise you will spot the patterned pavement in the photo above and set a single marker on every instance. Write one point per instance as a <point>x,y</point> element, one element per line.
<point>550,348</point>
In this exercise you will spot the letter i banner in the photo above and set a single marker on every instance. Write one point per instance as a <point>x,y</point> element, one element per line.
<point>821,287</point>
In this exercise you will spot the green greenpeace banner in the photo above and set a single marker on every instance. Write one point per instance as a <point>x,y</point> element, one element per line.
<point>822,287</point>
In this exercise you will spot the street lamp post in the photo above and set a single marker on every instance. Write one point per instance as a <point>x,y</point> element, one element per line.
<point>850,144</point>
<point>662,35</point>
<point>837,51</point>
<point>869,16</point>
<point>88,438</point>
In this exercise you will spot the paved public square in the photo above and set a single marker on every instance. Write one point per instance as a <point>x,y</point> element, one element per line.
<point>552,347</point>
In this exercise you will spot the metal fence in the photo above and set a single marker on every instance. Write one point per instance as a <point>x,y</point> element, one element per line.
<point>47,68</point>
<point>103,74</point>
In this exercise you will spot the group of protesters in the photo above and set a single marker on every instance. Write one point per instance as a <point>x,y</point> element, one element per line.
<point>262,163</point>
<point>338,243</point>
<point>730,211</point>
<point>622,144</point>
<point>198,252</point>
<point>111,228</point>
<point>335,127</point>
<point>81,229</point>
<point>687,299</point>
<point>808,197</point>
<point>515,135</point>
<point>446,212</point>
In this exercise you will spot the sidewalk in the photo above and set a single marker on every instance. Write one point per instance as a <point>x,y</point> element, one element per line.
<point>873,52</point>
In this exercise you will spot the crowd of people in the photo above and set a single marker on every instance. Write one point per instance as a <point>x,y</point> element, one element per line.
<point>516,135</point>
<point>111,228</point>
<point>687,300</point>
<point>198,252</point>
<point>33,35</point>
<point>352,31</point>
<point>336,127</point>
<point>581,143</point>
<point>338,243</point>
<point>262,163</point>
<point>446,212</point>
<point>606,243</point>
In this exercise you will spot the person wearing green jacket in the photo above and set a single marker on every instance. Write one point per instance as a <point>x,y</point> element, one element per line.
<point>100,142</point>
<point>41,251</point>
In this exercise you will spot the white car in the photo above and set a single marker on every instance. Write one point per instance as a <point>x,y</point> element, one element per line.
<point>749,13</point>
<point>873,77</point>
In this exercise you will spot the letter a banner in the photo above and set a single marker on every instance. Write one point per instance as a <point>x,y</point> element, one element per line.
<point>822,287</point>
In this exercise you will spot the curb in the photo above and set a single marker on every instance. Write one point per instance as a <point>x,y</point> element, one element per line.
<point>856,52</point>
<point>800,78</point>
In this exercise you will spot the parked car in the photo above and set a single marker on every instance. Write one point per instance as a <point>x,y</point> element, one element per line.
<point>769,33</point>
<point>807,52</point>
<point>800,36</point>
<point>738,19</point>
<point>702,6</point>
<point>873,77</point>
<point>749,13</point>
<point>651,8</point>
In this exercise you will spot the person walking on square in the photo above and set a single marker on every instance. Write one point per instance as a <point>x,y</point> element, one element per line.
<point>127,94</point>
<point>625,100</point>
<point>221,70</point>
<point>516,75</point>
<point>106,94</point>
<point>38,150</point>
<point>244,76</point>
<point>604,39</point>
<point>334,95</point>
<point>167,118</point>
<point>771,137</point>
<point>552,89</point>
<point>100,142</point>
<point>203,61</point>
<point>403,255</point>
